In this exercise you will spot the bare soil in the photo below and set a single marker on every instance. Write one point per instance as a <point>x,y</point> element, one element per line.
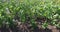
<point>26,27</point>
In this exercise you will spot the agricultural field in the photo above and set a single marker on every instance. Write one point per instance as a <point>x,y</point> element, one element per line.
<point>29,15</point>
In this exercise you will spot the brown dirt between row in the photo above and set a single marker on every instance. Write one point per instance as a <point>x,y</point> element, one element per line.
<point>21,29</point>
<point>28,28</point>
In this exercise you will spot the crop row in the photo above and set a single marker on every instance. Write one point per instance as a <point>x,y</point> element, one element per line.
<point>29,10</point>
